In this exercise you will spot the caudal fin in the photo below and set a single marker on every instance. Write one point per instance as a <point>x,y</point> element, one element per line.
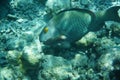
<point>110,14</point>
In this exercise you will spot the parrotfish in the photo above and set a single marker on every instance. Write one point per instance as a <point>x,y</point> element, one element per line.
<point>68,26</point>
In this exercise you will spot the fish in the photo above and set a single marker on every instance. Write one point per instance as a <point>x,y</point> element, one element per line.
<point>69,26</point>
<point>66,27</point>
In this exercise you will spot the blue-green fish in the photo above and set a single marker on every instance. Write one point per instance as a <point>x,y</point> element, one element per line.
<point>68,26</point>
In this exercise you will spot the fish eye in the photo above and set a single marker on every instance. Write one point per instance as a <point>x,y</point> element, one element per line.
<point>45,30</point>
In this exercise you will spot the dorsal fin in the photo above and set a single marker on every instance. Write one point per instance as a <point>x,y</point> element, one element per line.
<point>79,10</point>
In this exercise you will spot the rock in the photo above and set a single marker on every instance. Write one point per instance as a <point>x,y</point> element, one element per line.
<point>31,55</point>
<point>113,26</point>
<point>42,2</point>
<point>101,45</point>
<point>28,36</point>
<point>3,59</point>
<point>17,3</point>
<point>15,43</point>
<point>6,74</point>
<point>116,40</point>
<point>57,5</point>
<point>84,2</point>
<point>80,60</point>
<point>87,40</point>
<point>31,58</point>
<point>14,57</point>
<point>56,68</point>
<point>110,60</point>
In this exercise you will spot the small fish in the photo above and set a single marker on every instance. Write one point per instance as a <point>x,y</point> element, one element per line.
<point>66,27</point>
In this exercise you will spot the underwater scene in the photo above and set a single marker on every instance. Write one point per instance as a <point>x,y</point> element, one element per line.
<point>60,40</point>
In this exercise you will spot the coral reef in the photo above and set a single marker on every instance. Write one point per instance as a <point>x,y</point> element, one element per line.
<point>95,56</point>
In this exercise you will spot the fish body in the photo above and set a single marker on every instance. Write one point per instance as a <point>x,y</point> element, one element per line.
<point>66,27</point>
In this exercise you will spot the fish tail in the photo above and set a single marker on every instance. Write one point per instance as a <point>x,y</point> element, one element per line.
<point>112,14</point>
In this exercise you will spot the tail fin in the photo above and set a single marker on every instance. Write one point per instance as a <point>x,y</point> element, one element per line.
<point>110,14</point>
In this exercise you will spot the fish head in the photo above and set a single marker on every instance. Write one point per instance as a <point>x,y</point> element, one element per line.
<point>51,37</point>
<point>48,33</point>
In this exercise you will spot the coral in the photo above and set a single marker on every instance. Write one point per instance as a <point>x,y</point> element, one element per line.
<point>87,40</point>
<point>103,44</point>
<point>109,62</point>
<point>56,5</point>
<point>23,57</point>
<point>7,74</point>
<point>57,68</point>
<point>114,27</point>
